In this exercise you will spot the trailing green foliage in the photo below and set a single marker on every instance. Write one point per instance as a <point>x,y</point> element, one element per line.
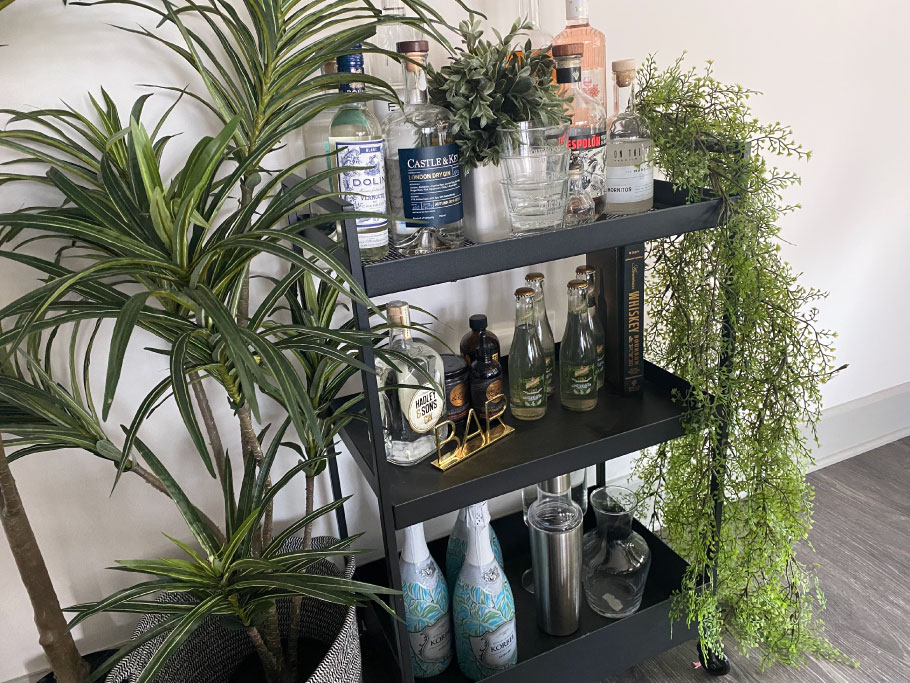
<point>488,85</point>
<point>728,314</point>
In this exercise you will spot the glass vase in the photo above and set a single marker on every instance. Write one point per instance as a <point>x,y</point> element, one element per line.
<point>615,559</point>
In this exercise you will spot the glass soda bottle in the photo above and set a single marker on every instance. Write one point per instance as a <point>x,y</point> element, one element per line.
<point>589,275</point>
<point>578,354</point>
<point>527,362</point>
<point>544,331</point>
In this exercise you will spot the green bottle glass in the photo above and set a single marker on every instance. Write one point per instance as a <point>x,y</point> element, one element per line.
<point>577,354</point>
<point>527,363</point>
<point>589,275</point>
<point>544,331</point>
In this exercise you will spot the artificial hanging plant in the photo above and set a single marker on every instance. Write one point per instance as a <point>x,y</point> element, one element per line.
<point>728,314</point>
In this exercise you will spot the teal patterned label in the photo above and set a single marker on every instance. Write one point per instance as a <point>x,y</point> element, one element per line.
<point>426,603</point>
<point>457,550</point>
<point>484,616</point>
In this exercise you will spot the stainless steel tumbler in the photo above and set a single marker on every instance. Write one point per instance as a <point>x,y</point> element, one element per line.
<point>555,523</point>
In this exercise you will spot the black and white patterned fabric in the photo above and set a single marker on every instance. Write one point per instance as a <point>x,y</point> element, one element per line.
<point>212,653</point>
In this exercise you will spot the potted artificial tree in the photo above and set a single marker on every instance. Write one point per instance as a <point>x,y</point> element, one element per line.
<point>488,86</point>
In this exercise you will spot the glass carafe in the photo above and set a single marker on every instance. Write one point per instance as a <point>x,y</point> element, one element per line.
<point>615,559</point>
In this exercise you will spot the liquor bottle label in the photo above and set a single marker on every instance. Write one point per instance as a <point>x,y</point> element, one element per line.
<point>431,184</point>
<point>434,643</point>
<point>367,186</point>
<point>581,379</point>
<point>458,400</point>
<point>487,390</point>
<point>593,83</point>
<point>495,649</point>
<point>629,175</point>
<point>424,408</point>
<point>587,153</point>
<point>531,391</point>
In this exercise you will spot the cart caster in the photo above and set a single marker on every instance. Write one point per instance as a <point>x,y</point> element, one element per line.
<point>714,664</point>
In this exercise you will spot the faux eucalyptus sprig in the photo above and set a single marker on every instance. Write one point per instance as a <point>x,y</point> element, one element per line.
<point>489,85</point>
<point>729,315</point>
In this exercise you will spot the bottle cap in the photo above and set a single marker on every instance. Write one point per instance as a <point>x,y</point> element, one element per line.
<point>576,9</point>
<point>577,284</point>
<point>406,46</point>
<point>569,50</point>
<point>585,269</point>
<point>352,63</point>
<point>623,65</point>
<point>524,292</point>
<point>399,313</point>
<point>534,277</point>
<point>478,322</point>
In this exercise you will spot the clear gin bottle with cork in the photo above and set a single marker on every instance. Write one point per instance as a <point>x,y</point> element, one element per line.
<point>422,164</point>
<point>588,129</point>
<point>410,400</point>
<point>629,175</point>
<point>527,362</point>
<point>356,138</point>
<point>578,354</point>
<point>542,324</point>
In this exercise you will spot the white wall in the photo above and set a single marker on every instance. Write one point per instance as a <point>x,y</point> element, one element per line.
<point>809,57</point>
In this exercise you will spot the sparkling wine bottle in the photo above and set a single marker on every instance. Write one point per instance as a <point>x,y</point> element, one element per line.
<point>457,548</point>
<point>426,606</point>
<point>483,608</point>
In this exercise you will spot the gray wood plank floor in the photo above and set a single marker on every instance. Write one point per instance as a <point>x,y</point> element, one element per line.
<point>862,539</point>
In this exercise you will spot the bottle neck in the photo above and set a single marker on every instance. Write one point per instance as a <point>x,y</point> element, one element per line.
<point>480,550</point>
<point>415,78</point>
<point>578,303</point>
<point>568,75</point>
<point>540,307</point>
<point>529,10</point>
<point>576,12</point>
<point>624,96</point>
<point>592,301</point>
<point>415,545</point>
<point>524,311</point>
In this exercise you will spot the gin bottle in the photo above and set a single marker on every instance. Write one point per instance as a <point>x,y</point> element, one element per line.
<point>587,132</point>
<point>589,275</point>
<point>527,362</point>
<point>540,38</point>
<point>386,67</point>
<point>457,548</point>
<point>426,606</point>
<point>483,608</point>
<point>423,164</point>
<point>594,66</point>
<point>356,137</point>
<point>542,325</point>
<point>629,170</point>
<point>410,403</point>
<point>578,354</point>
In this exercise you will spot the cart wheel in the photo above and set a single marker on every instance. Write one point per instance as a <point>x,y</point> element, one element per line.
<point>714,664</point>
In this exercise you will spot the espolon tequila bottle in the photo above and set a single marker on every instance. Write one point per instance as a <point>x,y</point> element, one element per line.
<point>589,275</point>
<point>588,130</point>
<point>357,138</point>
<point>409,413</point>
<point>422,164</point>
<point>578,354</point>
<point>629,177</point>
<point>542,325</point>
<point>527,362</point>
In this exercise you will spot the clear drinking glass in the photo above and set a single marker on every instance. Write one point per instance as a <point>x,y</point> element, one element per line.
<point>615,559</point>
<point>534,166</point>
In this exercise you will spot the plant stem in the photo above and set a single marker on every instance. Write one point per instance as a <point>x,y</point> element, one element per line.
<point>269,665</point>
<point>211,427</point>
<point>297,601</point>
<point>58,644</point>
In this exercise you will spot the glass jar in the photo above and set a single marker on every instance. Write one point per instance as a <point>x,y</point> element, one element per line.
<point>615,559</point>
<point>458,392</point>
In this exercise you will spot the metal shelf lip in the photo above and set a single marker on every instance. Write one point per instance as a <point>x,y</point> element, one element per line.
<point>560,442</point>
<point>670,218</point>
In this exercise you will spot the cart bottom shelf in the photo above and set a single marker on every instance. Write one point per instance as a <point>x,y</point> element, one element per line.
<point>600,648</point>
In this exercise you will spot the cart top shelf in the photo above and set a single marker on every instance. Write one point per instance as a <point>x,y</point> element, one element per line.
<point>399,273</point>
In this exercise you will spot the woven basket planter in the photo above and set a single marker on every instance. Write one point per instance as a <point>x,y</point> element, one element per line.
<point>213,653</point>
